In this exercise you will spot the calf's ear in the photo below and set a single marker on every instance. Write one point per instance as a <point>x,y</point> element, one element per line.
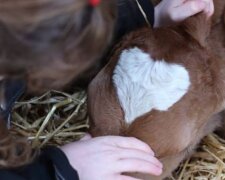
<point>198,27</point>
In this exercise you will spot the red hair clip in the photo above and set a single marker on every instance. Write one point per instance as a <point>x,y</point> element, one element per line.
<point>94,3</point>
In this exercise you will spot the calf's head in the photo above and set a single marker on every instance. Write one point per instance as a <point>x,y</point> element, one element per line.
<point>160,82</point>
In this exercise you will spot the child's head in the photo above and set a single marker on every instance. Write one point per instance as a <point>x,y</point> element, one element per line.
<point>51,42</point>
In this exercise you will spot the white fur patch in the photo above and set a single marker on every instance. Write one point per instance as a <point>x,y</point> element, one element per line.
<point>143,84</point>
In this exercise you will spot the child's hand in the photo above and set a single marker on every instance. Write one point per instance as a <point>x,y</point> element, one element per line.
<point>171,11</point>
<point>110,156</point>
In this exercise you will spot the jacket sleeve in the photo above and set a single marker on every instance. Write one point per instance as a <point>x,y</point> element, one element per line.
<point>52,164</point>
<point>133,14</point>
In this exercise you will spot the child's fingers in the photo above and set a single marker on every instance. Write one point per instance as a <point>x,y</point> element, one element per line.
<point>206,6</point>
<point>86,137</point>
<point>137,165</point>
<point>212,8</point>
<point>123,177</point>
<point>129,153</point>
<point>187,9</point>
<point>209,8</point>
<point>131,143</point>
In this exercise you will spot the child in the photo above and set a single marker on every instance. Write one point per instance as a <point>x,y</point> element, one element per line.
<point>103,157</point>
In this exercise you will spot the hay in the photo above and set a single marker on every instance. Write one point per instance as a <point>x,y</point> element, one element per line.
<point>207,163</point>
<point>57,118</point>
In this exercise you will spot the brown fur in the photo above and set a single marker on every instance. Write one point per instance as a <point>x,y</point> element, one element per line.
<point>173,134</point>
